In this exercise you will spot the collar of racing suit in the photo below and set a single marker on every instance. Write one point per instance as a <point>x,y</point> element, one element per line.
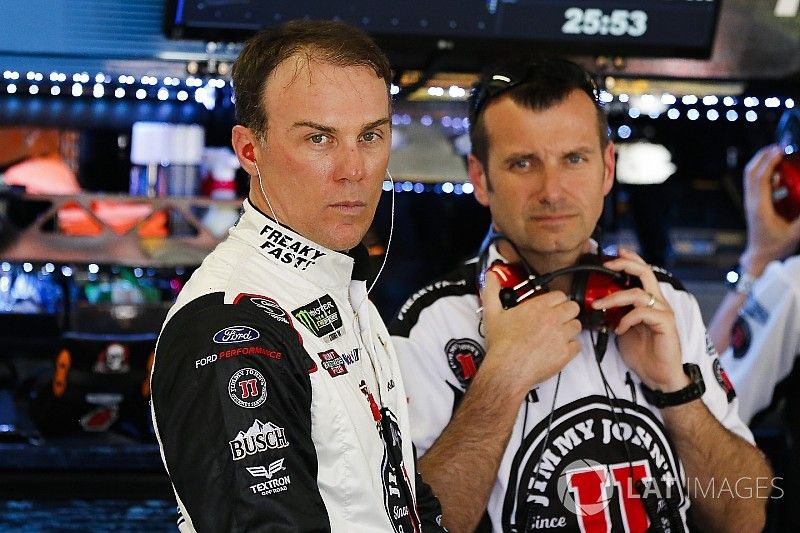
<point>288,249</point>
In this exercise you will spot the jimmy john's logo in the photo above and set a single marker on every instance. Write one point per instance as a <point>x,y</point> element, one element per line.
<point>464,357</point>
<point>234,334</point>
<point>247,388</point>
<point>321,317</point>
<point>287,249</point>
<point>723,380</point>
<point>587,472</point>
<point>258,438</point>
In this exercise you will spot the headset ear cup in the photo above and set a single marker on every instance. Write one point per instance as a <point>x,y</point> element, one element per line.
<point>577,294</point>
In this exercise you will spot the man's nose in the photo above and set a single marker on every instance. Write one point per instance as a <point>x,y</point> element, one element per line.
<point>351,164</point>
<point>551,186</point>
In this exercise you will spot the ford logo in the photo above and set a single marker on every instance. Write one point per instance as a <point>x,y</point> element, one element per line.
<point>235,334</point>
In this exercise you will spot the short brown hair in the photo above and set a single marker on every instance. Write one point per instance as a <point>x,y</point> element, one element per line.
<point>538,84</point>
<point>328,41</point>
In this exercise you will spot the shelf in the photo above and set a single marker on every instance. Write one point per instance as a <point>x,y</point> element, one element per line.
<point>117,229</point>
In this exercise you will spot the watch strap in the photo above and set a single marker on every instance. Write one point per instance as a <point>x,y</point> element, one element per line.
<point>691,392</point>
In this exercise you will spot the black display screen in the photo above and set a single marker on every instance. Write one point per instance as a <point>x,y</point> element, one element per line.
<point>669,28</point>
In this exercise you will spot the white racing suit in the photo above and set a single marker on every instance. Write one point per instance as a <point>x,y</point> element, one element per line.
<point>277,397</point>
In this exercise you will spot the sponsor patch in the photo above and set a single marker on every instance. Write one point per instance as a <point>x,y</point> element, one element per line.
<point>723,380</point>
<point>270,307</point>
<point>247,388</point>
<point>258,438</point>
<point>333,363</point>
<point>581,473</point>
<point>267,471</point>
<point>351,357</point>
<point>273,484</point>
<point>464,357</point>
<point>321,317</point>
<point>236,352</point>
<point>286,249</point>
<point>741,337</point>
<point>236,334</point>
<point>112,360</point>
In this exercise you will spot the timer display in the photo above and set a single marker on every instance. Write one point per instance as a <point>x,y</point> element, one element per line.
<point>667,28</point>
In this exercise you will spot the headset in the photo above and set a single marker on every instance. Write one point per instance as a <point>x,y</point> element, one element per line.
<point>590,281</point>
<point>786,189</point>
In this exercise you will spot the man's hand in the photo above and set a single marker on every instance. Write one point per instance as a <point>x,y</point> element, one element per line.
<point>648,335</point>
<point>769,236</point>
<point>529,343</point>
<point>525,345</point>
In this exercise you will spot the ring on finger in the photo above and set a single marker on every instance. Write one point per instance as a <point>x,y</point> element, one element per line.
<point>652,301</point>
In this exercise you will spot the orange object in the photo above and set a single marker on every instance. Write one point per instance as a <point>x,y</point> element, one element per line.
<point>63,364</point>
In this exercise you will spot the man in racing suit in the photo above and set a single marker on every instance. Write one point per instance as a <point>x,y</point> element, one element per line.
<point>276,394</point>
<point>517,412</point>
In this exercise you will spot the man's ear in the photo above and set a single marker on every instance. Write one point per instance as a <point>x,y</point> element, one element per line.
<point>609,164</point>
<point>477,176</point>
<point>244,142</point>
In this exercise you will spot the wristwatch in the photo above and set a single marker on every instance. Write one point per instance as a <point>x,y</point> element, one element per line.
<point>692,391</point>
<point>740,282</point>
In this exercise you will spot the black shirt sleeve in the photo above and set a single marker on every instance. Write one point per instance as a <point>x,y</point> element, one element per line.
<point>231,396</point>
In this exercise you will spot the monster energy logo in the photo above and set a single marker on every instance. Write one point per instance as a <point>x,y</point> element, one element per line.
<point>320,317</point>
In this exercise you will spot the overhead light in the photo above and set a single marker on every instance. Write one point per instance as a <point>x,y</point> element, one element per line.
<point>643,163</point>
<point>786,8</point>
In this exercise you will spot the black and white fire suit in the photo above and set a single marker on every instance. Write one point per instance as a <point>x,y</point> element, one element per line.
<point>276,394</point>
<point>577,470</point>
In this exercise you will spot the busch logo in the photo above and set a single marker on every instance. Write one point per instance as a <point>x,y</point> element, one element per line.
<point>258,438</point>
<point>320,317</point>
<point>234,334</point>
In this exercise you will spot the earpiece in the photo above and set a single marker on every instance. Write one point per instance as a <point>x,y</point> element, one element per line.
<point>249,153</point>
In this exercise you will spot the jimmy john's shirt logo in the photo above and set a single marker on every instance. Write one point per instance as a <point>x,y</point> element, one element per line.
<point>321,317</point>
<point>247,388</point>
<point>234,334</point>
<point>464,357</point>
<point>723,380</point>
<point>258,438</point>
<point>287,249</point>
<point>583,474</point>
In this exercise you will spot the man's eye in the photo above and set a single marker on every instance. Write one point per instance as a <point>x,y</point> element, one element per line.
<point>521,164</point>
<point>319,138</point>
<point>371,136</point>
<point>574,158</point>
